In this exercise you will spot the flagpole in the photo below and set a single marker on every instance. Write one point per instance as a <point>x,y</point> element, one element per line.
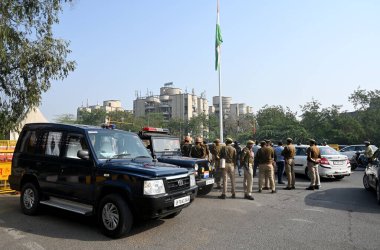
<point>220,103</point>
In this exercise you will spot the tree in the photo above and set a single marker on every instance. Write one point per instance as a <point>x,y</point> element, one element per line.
<point>66,118</point>
<point>30,56</point>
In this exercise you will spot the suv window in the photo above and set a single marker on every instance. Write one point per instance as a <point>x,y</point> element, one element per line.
<point>166,144</point>
<point>29,142</point>
<point>74,143</point>
<point>51,143</point>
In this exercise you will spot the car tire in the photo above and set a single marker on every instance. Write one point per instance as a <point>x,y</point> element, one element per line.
<point>378,192</point>
<point>366,183</point>
<point>339,177</point>
<point>114,216</point>
<point>30,199</point>
<point>205,190</point>
<point>171,216</point>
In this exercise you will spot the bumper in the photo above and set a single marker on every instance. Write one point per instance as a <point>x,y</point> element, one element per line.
<point>205,182</point>
<point>331,173</point>
<point>153,207</point>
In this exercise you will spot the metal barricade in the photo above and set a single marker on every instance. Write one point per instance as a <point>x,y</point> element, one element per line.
<point>6,153</point>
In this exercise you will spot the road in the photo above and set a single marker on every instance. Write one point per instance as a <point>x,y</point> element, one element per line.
<point>342,215</point>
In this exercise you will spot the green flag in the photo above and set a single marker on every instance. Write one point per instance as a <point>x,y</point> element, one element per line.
<point>218,39</point>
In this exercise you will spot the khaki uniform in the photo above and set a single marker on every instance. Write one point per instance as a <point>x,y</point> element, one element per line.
<point>198,151</point>
<point>246,162</point>
<point>265,157</point>
<point>215,151</point>
<point>313,154</point>
<point>229,154</point>
<point>289,152</point>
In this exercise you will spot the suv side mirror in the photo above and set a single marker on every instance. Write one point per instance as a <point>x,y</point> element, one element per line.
<point>83,154</point>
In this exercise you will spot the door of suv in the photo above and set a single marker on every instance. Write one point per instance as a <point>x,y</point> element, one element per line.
<point>76,174</point>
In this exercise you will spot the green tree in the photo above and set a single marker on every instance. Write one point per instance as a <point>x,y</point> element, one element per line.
<point>66,118</point>
<point>95,117</point>
<point>30,56</point>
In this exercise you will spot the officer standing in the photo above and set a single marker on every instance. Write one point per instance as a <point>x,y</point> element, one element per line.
<point>246,162</point>
<point>215,152</point>
<point>289,152</point>
<point>198,151</point>
<point>313,157</point>
<point>256,147</point>
<point>280,162</point>
<point>266,157</point>
<point>186,147</point>
<point>238,154</point>
<point>229,154</point>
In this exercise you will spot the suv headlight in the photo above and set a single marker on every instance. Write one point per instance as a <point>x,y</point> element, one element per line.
<point>196,167</point>
<point>154,187</point>
<point>192,180</point>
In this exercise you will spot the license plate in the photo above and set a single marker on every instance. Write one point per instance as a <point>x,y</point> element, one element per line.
<point>181,201</point>
<point>338,162</point>
<point>209,182</point>
<point>206,174</point>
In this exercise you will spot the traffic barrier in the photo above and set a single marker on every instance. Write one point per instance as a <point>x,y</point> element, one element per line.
<point>6,153</point>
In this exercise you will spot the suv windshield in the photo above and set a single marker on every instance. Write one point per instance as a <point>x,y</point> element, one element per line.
<point>116,144</point>
<point>166,144</point>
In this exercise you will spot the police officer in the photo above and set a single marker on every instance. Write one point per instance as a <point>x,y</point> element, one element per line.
<point>313,157</point>
<point>238,155</point>
<point>198,150</point>
<point>215,151</point>
<point>228,153</point>
<point>368,153</point>
<point>246,162</point>
<point>265,157</point>
<point>289,152</point>
<point>186,147</point>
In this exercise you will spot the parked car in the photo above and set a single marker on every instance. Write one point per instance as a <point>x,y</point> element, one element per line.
<point>96,171</point>
<point>355,153</point>
<point>166,148</point>
<point>371,178</point>
<point>332,164</point>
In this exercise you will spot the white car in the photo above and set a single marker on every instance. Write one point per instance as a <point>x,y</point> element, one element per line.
<point>332,165</point>
<point>351,150</point>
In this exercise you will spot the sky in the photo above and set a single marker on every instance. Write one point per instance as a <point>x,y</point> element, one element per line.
<point>278,52</point>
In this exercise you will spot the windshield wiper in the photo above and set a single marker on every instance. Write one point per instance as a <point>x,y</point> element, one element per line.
<point>119,156</point>
<point>141,156</point>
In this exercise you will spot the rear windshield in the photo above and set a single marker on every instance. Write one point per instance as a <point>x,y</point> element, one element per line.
<point>328,151</point>
<point>166,144</point>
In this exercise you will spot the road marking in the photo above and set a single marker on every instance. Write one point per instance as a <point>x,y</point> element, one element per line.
<point>302,220</point>
<point>314,209</point>
<point>15,234</point>
<point>33,246</point>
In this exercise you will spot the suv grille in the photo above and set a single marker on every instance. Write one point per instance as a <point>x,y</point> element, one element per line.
<point>178,184</point>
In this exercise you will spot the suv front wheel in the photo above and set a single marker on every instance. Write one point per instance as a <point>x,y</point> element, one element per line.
<point>114,216</point>
<point>29,199</point>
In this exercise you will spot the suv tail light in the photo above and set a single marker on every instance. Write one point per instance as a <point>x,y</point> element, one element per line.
<point>324,161</point>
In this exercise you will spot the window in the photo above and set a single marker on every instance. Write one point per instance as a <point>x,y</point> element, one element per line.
<point>29,142</point>
<point>74,143</point>
<point>301,151</point>
<point>51,143</point>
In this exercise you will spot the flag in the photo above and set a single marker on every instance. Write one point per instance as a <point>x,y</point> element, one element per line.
<point>218,39</point>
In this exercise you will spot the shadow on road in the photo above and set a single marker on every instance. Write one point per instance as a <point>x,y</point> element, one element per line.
<point>57,223</point>
<point>348,199</point>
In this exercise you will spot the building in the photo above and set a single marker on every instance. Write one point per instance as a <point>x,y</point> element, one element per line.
<point>230,109</point>
<point>172,103</point>
<point>108,106</point>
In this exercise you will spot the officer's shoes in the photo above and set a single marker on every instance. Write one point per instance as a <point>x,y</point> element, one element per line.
<point>223,197</point>
<point>233,196</point>
<point>260,190</point>
<point>249,197</point>
<point>274,191</point>
<point>316,187</point>
<point>266,188</point>
<point>310,188</point>
<point>287,188</point>
<point>293,187</point>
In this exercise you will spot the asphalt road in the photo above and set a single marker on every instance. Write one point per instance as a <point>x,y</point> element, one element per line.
<point>342,215</point>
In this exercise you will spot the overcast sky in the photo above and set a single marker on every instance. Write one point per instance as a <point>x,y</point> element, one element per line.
<point>279,52</point>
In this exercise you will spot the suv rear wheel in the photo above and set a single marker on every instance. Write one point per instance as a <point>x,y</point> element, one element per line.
<point>29,199</point>
<point>114,216</point>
